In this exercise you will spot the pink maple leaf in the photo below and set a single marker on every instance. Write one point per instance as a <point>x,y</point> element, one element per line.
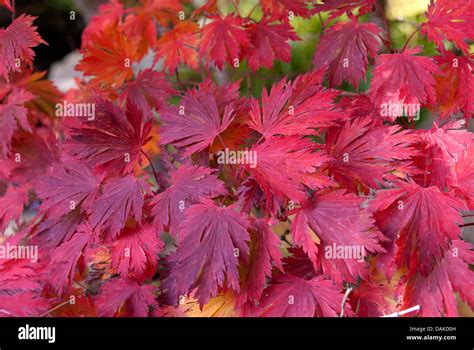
<point>264,252</point>
<point>222,40</point>
<point>135,253</point>
<point>435,293</point>
<point>269,41</point>
<point>212,239</point>
<point>294,108</point>
<point>188,185</point>
<point>450,20</point>
<point>196,123</point>
<point>67,186</point>
<point>121,198</point>
<point>292,296</point>
<point>16,42</point>
<point>113,141</point>
<point>344,50</point>
<point>334,222</point>
<point>149,90</point>
<point>125,297</point>
<point>14,114</point>
<point>403,78</point>
<point>421,221</point>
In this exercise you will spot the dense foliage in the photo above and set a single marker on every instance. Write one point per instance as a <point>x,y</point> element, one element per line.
<point>172,182</point>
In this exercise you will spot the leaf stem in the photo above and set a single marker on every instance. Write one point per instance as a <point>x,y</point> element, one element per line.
<point>249,82</point>
<point>403,312</point>
<point>251,11</point>
<point>409,38</point>
<point>235,6</point>
<point>344,300</point>
<point>385,23</point>
<point>151,164</point>
<point>55,308</point>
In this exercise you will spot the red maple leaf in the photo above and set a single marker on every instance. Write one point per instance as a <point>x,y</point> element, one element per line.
<point>7,4</point>
<point>64,259</point>
<point>269,41</point>
<point>135,253</point>
<point>336,223</point>
<point>456,72</point>
<point>179,45</point>
<point>22,305</point>
<point>196,123</point>
<point>212,239</point>
<point>462,180</point>
<point>32,155</point>
<point>149,90</point>
<point>421,221</point>
<point>108,15</point>
<point>188,185</point>
<point>52,231</point>
<point>294,108</point>
<point>435,293</point>
<point>108,57</point>
<point>369,299</point>
<point>67,186</point>
<point>11,206</point>
<point>340,7</point>
<point>125,298</point>
<point>209,6</point>
<point>343,51</point>
<point>403,78</point>
<point>285,166</point>
<point>165,12</point>
<point>282,9</point>
<point>292,296</point>
<point>264,252</point>
<point>140,25</point>
<point>19,275</point>
<point>222,40</point>
<point>120,199</point>
<point>13,114</point>
<point>16,42</point>
<point>450,20</point>
<point>113,141</point>
<point>363,153</point>
<point>441,149</point>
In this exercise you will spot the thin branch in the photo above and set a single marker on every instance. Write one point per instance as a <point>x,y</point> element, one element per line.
<point>177,78</point>
<point>409,38</point>
<point>403,312</point>
<point>385,23</point>
<point>249,82</point>
<point>344,300</point>
<point>251,11</point>
<point>55,308</point>
<point>221,140</point>
<point>14,10</point>
<point>349,94</point>
<point>234,6</point>
<point>151,164</point>
<point>466,225</point>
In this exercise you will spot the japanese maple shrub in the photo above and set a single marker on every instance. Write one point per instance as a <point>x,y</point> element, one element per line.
<point>172,182</point>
